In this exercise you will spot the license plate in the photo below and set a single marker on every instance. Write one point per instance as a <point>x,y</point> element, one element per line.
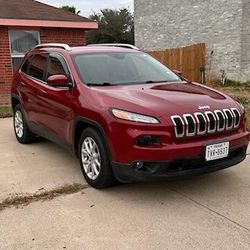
<point>216,151</point>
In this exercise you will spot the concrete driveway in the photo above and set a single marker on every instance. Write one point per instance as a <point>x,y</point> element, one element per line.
<point>210,211</point>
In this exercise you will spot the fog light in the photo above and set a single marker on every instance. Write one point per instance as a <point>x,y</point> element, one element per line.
<point>148,140</point>
<point>139,164</point>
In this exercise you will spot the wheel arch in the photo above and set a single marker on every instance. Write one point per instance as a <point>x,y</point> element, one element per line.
<point>15,100</point>
<point>82,123</point>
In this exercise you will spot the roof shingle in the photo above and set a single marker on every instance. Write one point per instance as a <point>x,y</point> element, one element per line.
<point>34,10</point>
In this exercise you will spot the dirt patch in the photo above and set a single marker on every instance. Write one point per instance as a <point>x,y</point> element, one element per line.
<point>20,200</point>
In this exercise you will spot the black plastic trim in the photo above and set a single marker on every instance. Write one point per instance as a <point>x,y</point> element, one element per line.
<point>14,96</point>
<point>159,170</point>
<point>93,124</point>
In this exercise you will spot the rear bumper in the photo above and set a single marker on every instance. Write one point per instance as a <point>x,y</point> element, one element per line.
<point>164,170</point>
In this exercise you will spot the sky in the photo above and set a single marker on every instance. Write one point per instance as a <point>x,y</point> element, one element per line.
<point>88,6</point>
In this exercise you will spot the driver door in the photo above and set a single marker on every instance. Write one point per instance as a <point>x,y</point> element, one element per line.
<point>55,103</point>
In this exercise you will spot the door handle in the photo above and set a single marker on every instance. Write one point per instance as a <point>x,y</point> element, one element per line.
<point>43,91</point>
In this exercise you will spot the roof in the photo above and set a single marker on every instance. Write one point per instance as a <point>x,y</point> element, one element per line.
<point>41,15</point>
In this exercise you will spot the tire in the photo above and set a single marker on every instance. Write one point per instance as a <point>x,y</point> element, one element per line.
<point>22,132</point>
<point>93,150</point>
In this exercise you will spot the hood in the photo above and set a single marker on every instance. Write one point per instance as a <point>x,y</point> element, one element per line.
<point>163,99</point>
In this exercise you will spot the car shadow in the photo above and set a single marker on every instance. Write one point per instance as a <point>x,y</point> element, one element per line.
<point>211,185</point>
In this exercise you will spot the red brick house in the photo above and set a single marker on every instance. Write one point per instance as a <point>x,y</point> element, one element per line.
<point>26,23</point>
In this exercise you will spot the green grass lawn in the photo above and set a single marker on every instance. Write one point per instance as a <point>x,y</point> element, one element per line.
<point>5,111</point>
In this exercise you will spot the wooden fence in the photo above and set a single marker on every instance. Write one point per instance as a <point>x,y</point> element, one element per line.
<point>189,60</point>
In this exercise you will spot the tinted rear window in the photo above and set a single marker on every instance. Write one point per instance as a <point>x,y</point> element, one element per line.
<point>38,65</point>
<point>26,64</point>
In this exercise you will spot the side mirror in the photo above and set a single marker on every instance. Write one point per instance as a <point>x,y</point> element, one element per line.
<point>58,81</point>
<point>177,72</point>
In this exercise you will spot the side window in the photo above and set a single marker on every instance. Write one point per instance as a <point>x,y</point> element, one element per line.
<point>26,64</point>
<point>38,65</point>
<point>55,66</point>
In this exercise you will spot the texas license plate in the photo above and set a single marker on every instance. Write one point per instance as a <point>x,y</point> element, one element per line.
<point>216,151</point>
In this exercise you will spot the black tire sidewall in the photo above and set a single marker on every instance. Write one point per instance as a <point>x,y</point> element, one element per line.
<point>27,136</point>
<point>106,176</point>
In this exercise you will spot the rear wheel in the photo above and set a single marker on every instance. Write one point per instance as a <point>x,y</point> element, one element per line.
<point>94,160</point>
<point>22,132</point>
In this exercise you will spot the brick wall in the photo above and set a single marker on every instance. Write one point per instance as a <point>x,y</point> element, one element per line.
<point>5,66</point>
<point>73,37</point>
<point>222,24</point>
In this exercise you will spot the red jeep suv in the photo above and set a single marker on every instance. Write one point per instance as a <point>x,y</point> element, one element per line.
<point>125,115</point>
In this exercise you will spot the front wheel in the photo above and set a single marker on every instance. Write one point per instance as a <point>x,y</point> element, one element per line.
<point>94,160</point>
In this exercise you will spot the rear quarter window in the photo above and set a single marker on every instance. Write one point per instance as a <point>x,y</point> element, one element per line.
<point>26,64</point>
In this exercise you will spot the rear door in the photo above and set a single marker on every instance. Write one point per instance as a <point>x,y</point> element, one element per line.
<point>31,79</point>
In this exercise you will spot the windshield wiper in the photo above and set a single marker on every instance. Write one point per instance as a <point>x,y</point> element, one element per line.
<point>99,84</point>
<point>150,81</point>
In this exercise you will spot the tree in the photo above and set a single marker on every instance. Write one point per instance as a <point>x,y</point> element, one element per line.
<point>115,26</point>
<point>70,9</point>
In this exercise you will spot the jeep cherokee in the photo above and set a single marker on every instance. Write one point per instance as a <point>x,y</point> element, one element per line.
<point>124,114</point>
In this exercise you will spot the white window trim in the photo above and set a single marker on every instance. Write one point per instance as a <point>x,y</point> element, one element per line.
<point>17,56</point>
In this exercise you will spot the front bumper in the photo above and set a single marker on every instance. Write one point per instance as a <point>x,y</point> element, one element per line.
<point>124,149</point>
<point>173,169</point>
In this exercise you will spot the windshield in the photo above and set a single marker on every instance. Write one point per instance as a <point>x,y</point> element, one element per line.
<point>121,68</point>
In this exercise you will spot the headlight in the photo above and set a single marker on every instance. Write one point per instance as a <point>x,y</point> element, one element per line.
<point>129,116</point>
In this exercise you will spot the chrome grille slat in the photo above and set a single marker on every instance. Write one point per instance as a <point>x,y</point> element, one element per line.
<point>190,126</point>
<point>210,128</point>
<point>229,119</point>
<point>175,119</point>
<point>220,120</point>
<point>236,113</point>
<point>199,123</point>
<point>200,118</point>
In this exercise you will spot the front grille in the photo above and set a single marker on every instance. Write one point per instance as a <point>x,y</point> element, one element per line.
<point>199,123</point>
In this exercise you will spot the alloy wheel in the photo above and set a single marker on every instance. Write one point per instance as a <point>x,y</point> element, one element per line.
<point>19,123</point>
<point>91,158</point>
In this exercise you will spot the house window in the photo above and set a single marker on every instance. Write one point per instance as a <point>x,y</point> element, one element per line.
<point>22,41</point>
